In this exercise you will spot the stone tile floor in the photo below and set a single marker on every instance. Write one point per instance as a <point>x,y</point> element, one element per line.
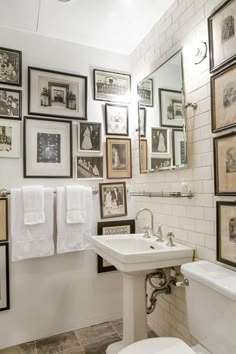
<point>90,340</point>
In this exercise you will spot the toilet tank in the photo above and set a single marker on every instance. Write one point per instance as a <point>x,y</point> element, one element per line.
<point>211,305</point>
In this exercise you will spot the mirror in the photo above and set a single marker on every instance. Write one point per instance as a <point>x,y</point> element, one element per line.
<point>162,135</point>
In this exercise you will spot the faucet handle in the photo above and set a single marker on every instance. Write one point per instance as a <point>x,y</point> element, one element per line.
<point>170,237</point>
<point>147,232</point>
<point>159,234</point>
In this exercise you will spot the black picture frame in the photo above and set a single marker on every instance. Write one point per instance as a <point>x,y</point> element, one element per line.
<point>65,98</point>
<point>106,191</point>
<point>6,305</point>
<point>182,151</point>
<point>101,268</point>
<point>89,167</point>
<point>220,8</point>
<point>4,106</point>
<point>176,97</point>
<point>105,90</point>
<point>117,129</point>
<point>89,137</point>
<point>142,132</point>
<point>225,184</point>
<point>145,92</point>
<point>225,232</point>
<point>18,66</point>
<point>3,220</point>
<point>27,148</point>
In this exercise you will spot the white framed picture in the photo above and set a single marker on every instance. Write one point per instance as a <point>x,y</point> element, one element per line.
<point>10,138</point>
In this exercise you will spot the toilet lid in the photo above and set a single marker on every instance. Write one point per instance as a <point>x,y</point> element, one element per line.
<point>164,345</point>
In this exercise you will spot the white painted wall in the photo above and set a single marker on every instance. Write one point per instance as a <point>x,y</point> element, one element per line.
<point>60,293</point>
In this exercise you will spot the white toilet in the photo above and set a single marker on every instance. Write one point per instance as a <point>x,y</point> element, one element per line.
<point>211,314</point>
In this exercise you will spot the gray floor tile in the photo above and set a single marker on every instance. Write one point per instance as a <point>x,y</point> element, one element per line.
<point>57,344</point>
<point>27,348</point>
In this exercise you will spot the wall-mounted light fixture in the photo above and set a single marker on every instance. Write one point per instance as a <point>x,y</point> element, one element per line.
<point>200,53</point>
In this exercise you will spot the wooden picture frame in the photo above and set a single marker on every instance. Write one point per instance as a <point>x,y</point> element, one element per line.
<point>10,104</point>
<point>119,158</point>
<point>89,137</point>
<point>89,167</point>
<point>171,108</point>
<point>113,200</point>
<point>3,219</point>
<point>10,67</point>
<point>111,86</point>
<point>225,164</point>
<point>57,94</point>
<point>47,148</point>
<point>10,138</point>
<point>142,113</point>
<point>223,99</point>
<point>226,232</point>
<point>222,35</point>
<point>4,276</point>
<point>112,228</point>
<point>145,92</point>
<point>143,156</point>
<point>179,148</point>
<point>116,119</point>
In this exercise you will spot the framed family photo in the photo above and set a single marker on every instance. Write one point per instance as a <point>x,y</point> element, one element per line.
<point>119,158</point>
<point>10,67</point>
<point>160,163</point>
<point>223,99</point>
<point>160,140</point>
<point>222,35</point>
<point>89,137</point>
<point>123,227</point>
<point>116,119</point>
<point>142,121</point>
<point>171,108</point>
<point>57,94</point>
<point>225,164</point>
<point>179,147</point>
<point>111,86</point>
<point>4,276</point>
<point>47,148</point>
<point>89,167</point>
<point>226,232</point>
<point>10,132</point>
<point>3,219</point>
<point>145,92</point>
<point>113,201</point>
<point>143,156</point>
<point>10,104</point>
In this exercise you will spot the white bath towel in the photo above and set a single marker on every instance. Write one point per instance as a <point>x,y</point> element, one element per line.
<point>76,204</point>
<point>33,202</point>
<point>72,237</point>
<point>31,241</point>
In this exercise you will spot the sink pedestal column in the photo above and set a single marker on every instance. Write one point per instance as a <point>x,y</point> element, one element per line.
<point>134,311</point>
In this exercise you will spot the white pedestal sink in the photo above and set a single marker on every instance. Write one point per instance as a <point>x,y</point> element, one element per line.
<point>136,256</point>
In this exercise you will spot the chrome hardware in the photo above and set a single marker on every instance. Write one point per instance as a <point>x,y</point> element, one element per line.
<point>147,232</point>
<point>191,104</point>
<point>150,230</point>
<point>159,234</point>
<point>170,237</point>
<point>185,282</point>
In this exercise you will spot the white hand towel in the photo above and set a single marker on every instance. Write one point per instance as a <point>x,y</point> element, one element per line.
<point>76,204</point>
<point>31,241</point>
<point>33,202</point>
<point>73,237</point>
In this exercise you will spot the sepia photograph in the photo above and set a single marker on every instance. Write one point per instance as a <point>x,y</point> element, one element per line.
<point>10,104</point>
<point>222,35</point>
<point>113,200</point>
<point>160,163</point>
<point>160,140</point>
<point>3,219</point>
<point>89,137</point>
<point>179,147</point>
<point>171,108</point>
<point>119,160</point>
<point>226,232</point>
<point>89,167</point>
<point>9,138</point>
<point>10,66</point>
<point>116,119</point>
<point>143,156</point>
<point>4,276</point>
<point>142,122</point>
<point>145,92</point>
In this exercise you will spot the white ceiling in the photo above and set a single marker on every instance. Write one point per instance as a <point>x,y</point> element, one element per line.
<point>115,25</point>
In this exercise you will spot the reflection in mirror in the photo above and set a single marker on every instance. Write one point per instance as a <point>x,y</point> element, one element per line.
<point>161,118</point>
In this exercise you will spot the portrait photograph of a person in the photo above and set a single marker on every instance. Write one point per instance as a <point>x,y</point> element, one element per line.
<point>113,200</point>
<point>118,158</point>
<point>160,140</point>
<point>89,136</point>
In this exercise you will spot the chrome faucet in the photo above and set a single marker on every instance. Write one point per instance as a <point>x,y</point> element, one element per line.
<point>148,231</point>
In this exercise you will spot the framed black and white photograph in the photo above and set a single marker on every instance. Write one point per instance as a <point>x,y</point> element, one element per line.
<point>113,202</point>
<point>142,121</point>
<point>160,140</point>
<point>160,163</point>
<point>179,147</point>
<point>10,66</point>
<point>171,108</point>
<point>111,86</point>
<point>222,35</point>
<point>116,119</point>
<point>3,219</point>
<point>120,227</point>
<point>89,137</point>
<point>57,94</point>
<point>225,164</point>
<point>10,132</point>
<point>145,92</point>
<point>4,277</point>
<point>226,232</point>
<point>119,158</point>
<point>89,167</point>
<point>10,104</point>
<point>47,148</point>
<point>223,99</point>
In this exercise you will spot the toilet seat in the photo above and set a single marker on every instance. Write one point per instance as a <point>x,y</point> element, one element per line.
<point>165,345</point>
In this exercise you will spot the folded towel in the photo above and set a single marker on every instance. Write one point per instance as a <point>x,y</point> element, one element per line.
<point>31,241</point>
<point>33,202</point>
<point>76,204</point>
<point>72,237</point>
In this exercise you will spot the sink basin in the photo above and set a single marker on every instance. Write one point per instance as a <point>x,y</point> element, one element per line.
<point>129,253</point>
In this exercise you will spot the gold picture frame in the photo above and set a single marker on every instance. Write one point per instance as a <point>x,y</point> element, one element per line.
<point>143,156</point>
<point>119,158</point>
